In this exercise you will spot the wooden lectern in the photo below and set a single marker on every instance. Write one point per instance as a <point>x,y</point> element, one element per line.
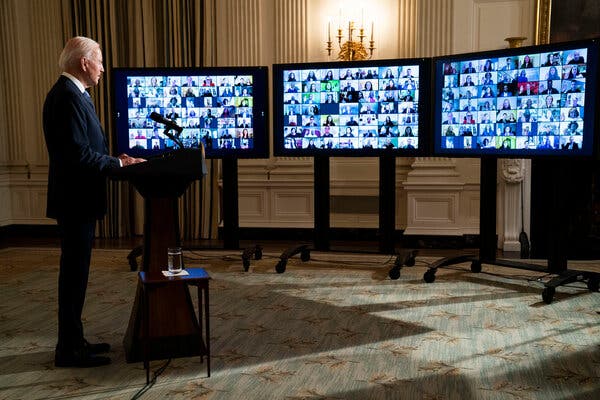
<point>175,330</point>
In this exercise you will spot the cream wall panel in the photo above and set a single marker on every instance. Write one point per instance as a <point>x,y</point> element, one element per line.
<point>355,188</point>
<point>470,204</point>
<point>276,202</point>
<point>338,220</point>
<point>20,198</point>
<point>38,201</point>
<point>468,169</point>
<point>358,168</point>
<point>436,209</point>
<point>28,200</point>
<point>292,206</point>
<point>484,24</point>
<point>252,204</point>
<point>443,211</point>
<point>291,203</point>
<point>6,201</point>
<point>433,212</point>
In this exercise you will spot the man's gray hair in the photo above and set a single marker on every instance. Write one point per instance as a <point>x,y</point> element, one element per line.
<point>76,47</point>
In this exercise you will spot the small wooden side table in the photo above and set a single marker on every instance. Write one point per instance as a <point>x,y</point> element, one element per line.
<point>196,277</point>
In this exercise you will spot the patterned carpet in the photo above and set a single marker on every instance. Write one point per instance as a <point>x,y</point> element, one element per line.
<point>335,327</point>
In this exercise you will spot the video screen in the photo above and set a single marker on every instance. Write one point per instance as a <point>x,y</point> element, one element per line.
<point>535,100</point>
<point>349,108</point>
<point>225,109</point>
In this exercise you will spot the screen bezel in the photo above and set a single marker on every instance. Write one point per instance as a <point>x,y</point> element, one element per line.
<point>424,80</point>
<point>260,108</point>
<point>590,122</point>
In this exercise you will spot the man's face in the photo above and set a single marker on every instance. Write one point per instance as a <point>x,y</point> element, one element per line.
<point>93,68</point>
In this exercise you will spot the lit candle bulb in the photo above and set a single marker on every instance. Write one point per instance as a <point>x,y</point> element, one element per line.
<point>350,30</point>
<point>372,29</point>
<point>362,18</point>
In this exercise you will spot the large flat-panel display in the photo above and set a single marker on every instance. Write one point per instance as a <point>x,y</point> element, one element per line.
<point>521,102</point>
<point>160,109</point>
<point>362,108</point>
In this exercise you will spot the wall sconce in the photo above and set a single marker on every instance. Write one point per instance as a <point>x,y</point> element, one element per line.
<point>353,48</point>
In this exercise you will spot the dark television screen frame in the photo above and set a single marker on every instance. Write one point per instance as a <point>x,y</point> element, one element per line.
<point>403,103</point>
<point>229,130</point>
<point>533,120</point>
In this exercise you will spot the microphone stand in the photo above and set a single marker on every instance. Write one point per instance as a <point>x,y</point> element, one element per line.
<point>174,138</point>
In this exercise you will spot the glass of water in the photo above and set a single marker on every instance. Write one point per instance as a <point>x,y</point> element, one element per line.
<point>175,259</point>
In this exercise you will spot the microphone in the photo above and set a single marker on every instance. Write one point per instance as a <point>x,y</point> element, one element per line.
<point>169,123</point>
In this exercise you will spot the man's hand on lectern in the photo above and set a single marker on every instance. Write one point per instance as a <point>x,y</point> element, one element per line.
<point>128,160</point>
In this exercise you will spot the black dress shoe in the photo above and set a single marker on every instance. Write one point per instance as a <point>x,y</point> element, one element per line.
<point>96,348</point>
<point>79,359</point>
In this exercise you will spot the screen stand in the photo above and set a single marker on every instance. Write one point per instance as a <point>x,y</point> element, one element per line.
<point>488,241</point>
<point>231,219</point>
<point>387,203</point>
<point>321,202</point>
<point>557,261</point>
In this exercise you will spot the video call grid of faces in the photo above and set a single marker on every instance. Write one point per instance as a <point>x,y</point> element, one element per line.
<point>530,101</point>
<point>351,108</point>
<point>215,109</point>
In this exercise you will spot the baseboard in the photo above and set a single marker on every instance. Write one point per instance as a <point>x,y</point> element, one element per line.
<point>25,233</point>
<point>360,234</point>
<point>35,231</point>
<point>343,236</point>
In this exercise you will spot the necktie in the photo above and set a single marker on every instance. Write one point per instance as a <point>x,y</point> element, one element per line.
<point>88,98</point>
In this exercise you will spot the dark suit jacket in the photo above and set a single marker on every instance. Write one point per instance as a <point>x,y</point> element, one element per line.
<point>78,154</point>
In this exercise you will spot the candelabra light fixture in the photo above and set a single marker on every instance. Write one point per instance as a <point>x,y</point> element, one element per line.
<point>515,41</point>
<point>353,48</point>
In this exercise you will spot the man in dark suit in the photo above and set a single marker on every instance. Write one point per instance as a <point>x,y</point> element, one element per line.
<point>577,58</point>
<point>550,89</point>
<point>78,164</point>
<point>571,144</point>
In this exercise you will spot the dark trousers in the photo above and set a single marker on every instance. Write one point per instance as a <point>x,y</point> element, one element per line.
<point>76,239</point>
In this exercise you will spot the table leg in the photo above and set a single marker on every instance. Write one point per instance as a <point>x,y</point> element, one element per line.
<point>206,315</point>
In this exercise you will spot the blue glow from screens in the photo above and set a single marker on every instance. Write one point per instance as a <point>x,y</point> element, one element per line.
<point>215,109</point>
<point>531,101</point>
<point>351,108</point>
